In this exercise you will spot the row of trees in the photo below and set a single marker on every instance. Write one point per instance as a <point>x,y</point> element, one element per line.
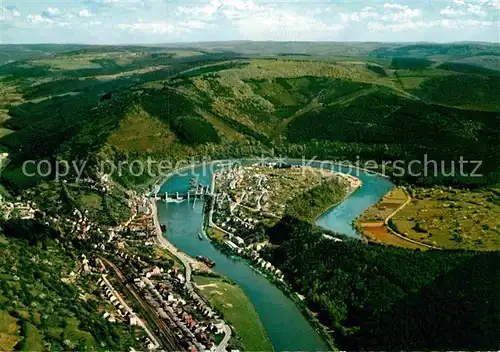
<point>385,298</point>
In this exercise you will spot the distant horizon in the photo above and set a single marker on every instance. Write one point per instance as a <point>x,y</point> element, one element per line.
<point>128,22</point>
<point>258,41</point>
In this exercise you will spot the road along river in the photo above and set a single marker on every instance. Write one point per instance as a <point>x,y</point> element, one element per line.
<point>287,328</point>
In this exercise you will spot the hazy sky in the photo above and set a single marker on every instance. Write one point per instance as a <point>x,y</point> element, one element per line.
<point>163,21</point>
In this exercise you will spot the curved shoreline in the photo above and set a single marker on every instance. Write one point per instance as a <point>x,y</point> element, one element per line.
<point>158,184</point>
<point>347,195</point>
<point>323,164</point>
<point>396,233</point>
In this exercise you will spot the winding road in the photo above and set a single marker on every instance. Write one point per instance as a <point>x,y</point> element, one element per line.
<point>186,261</point>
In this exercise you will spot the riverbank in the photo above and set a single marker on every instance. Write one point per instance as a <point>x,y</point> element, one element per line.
<point>188,263</point>
<point>297,299</point>
<point>351,184</point>
<point>375,223</point>
<point>286,289</point>
<point>237,309</point>
<point>354,184</point>
<point>263,297</point>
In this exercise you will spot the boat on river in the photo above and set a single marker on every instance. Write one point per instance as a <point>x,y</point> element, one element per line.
<point>176,199</point>
<point>209,262</point>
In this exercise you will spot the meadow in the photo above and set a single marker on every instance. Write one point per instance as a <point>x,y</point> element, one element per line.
<point>237,309</point>
<point>371,223</point>
<point>452,218</point>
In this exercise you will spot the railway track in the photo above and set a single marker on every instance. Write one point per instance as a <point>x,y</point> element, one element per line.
<point>161,329</point>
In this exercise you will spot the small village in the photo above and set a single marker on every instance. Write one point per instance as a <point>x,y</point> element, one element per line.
<point>123,264</point>
<point>247,198</point>
<point>165,290</point>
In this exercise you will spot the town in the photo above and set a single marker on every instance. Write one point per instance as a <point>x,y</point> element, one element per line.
<point>145,280</point>
<point>247,199</point>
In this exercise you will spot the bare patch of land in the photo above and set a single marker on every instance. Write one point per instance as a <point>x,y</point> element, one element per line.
<point>372,223</point>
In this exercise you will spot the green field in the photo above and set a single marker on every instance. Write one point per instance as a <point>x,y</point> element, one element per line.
<point>451,218</point>
<point>238,311</point>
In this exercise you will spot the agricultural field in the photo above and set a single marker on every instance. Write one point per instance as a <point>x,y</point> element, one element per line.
<point>371,223</point>
<point>238,311</point>
<point>452,218</point>
<point>69,63</point>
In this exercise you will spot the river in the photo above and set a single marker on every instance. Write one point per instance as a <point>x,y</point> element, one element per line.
<point>287,328</point>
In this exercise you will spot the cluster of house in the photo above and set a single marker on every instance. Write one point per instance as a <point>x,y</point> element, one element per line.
<point>124,311</point>
<point>191,320</point>
<point>92,185</point>
<point>255,192</point>
<point>82,226</point>
<point>352,181</point>
<point>18,209</point>
<point>269,267</point>
<point>175,301</point>
<point>78,224</point>
<point>236,221</point>
<point>252,251</point>
<point>230,219</point>
<point>139,227</point>
<point>142,206</point>
<point>235,243</point>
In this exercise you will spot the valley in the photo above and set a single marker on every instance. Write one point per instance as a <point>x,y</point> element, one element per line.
<point>320,254</point>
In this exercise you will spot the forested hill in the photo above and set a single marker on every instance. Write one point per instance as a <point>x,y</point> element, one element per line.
<point>336,101</point>
<point>376,101</point>
<point>387,298</point>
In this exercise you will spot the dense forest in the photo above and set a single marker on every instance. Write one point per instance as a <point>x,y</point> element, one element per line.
<point>410,63</point>
<point>387,298</point>
<point>309,205</point>
<point>407,129</point>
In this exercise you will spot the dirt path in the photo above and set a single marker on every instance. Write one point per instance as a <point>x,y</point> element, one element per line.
<point>380,231</point>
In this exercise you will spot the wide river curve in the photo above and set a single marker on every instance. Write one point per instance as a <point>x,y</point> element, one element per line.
<point>286,327</point>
